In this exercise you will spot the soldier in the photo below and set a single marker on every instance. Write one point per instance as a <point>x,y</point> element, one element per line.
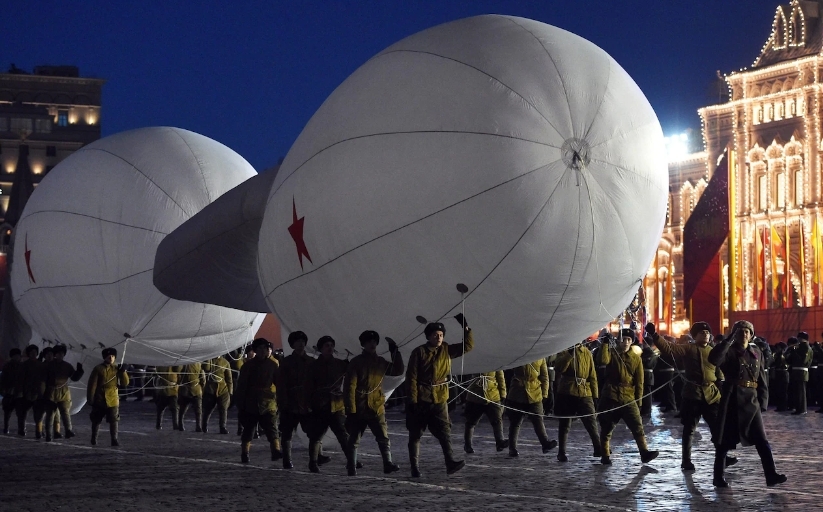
<point>58,396</point>
<point>192,379</point>
<point>364,399</point>
<point>29,392</point>
<point>768,359</point>
<point>529,386</point>
<point>292,396</point>
<point>665,373</point>
<point>649,357</point>
<point>166,393</point>
<point>8,383</point>
<point>779,381</point>
<point>621,395</point>
<point>739,419</point>
<point>485,395</point>
<point>576,388</point>
<point>701,397</point>
<point>102,394</point>
<point>799,359</point>
<point>256,398</point>
<point>217,391</point>
<point>243,355</point>
<point>325,389</point>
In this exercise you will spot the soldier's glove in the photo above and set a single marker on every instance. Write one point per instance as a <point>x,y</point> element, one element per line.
<point>392,345</point>
<point>79,366</point>
<point>460,318</point>
<point>121,367</point>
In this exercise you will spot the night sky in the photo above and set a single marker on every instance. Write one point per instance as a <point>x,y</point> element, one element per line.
<point>251,74</point>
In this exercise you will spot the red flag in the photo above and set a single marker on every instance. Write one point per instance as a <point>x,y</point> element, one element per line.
<point>760,269</point>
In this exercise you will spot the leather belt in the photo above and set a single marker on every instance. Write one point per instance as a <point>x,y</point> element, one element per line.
<point>800,368</point>
<point>747,384</point>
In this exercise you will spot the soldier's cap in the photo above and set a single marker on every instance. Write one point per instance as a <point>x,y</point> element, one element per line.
<point>261,342</point>
<point>47,350</point>
<point>434,327</point>
<point>743,324</point>
<point>60,349</point>
<point>14,352</point>
<point>109,352</point>
<point>323,340</point>
<point>699,326</point>
<point>792,341</point>
<point>248,349</point>
<point>628,333</point>
<point>296,336</point>
<point>368,336</point>
<point>803,335</point>
<point>32,347</point>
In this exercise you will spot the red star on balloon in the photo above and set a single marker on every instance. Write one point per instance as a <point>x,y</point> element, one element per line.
<point>28,260</point>
<point>296,232</point>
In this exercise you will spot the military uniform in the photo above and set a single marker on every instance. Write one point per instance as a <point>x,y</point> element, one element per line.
<point>665,373</point>
<point>191,380</point>
<point>576,391</point>
<point>364,401</point>
<point>102,394</point>
<point>622,392</point>
<point>529,387</point>
<point>739,419</point>
<point>217,391</point>
<point>166,394</point>
<point>256,400</point>
<point>649,358</point>
<point>701,396</point>
<point>485,394</point>
<point>58,396</point>
<point>427,378</point>
<point>325,389</point>
<point>293,399</point>
<point>8,383</point>
<point>799,359</point>
<point>779,380</point>
<point>29,392</point>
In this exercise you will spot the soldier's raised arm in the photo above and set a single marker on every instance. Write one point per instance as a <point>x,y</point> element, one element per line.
<point>466,344</point>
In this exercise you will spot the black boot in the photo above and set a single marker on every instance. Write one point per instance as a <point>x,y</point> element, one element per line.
<point>686,453</point>
<point>113,432</point>
<point>314,451</point>
<point>514,433</point>
<point>467,440</point>
<point>351,461</point>
<point>287,464</point>
<point>388,465</point>
<point>719,468</point>
<point>159,423</point>
<point>95,428</point>
<point>767,459</point>
<point>414,458</point>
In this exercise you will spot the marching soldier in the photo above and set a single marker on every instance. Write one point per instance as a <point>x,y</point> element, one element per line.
<point>29,392</point>
<point>485,395</point>
<point>576,391</point>
<point>364,399</point>
<point>58,396</point>
<point>779,381</point>
<point>292,396</point>
<point>217,391</point>
<point>621,395</point>
<point>242,355</point>
<point>799,359</point>
<point>8,383</point>
<point>325,388</point>
<point>739,419</point>
<point>256,398</point>
<point>529,387</point>
<point>103,396</point>
<point>166,394</point>
<point>649,356</point>
<point>192,379</point>
<point>701,396</point>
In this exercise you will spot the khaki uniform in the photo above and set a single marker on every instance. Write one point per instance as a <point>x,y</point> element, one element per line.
<point>484,397</point>
<point>427,377</point>
<point>191,380</point>
<point>58,395</point>
<point>364,400</point>
<point>325,389</point>
<point>256,399</point>
<point>621,396</point>
<point>166,394</point>
<point>102,394</point>
<point>217,391</point>
<point>576,389</point>
<point>29,392</point>
<point>8,383</point>
<point>529,387</point>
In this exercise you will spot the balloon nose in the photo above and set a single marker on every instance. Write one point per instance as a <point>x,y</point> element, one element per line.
<point>575,153</point>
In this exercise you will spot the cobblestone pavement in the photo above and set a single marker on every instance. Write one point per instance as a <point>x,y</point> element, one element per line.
<point>179,471</point>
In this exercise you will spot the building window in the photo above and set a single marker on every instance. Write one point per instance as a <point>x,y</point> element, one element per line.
<point>762,193</point>
<point>793,108</point>
<point>781,190</point>
<point>62,118</point>
<point>21,124</point>
<point>798,187</point>
<point>51,151</point>
<point>42,125</point>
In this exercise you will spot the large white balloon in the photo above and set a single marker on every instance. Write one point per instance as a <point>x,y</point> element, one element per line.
<point>499,152</point>
<point>85,246</point>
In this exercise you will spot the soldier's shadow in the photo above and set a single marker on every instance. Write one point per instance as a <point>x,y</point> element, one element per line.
<point>727,499</point>
<point>626,495</point>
